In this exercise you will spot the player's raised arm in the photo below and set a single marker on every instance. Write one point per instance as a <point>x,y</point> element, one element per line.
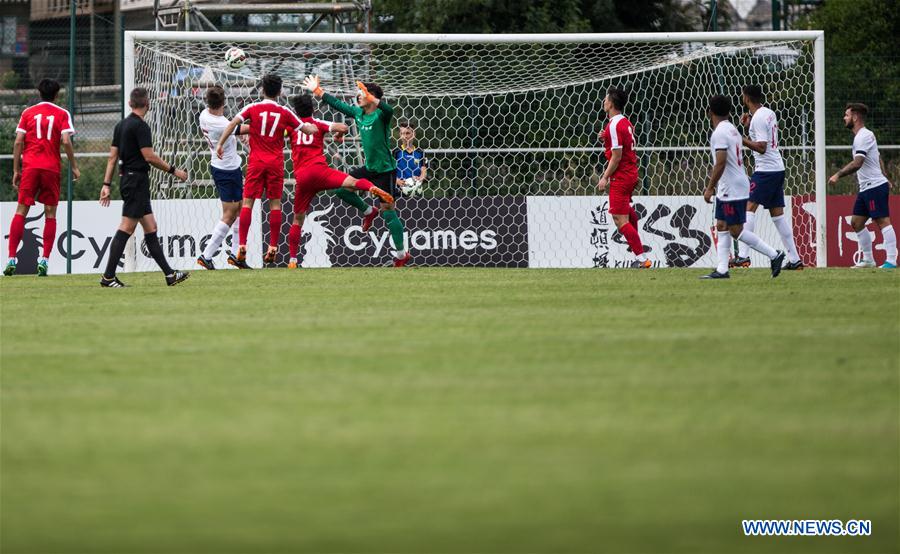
<point>232,125</point>
<point>312,85</point>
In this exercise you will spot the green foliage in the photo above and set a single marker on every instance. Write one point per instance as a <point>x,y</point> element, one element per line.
<point>862,64</point>
<point>538,16</point>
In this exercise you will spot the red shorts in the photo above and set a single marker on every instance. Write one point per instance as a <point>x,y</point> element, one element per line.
<point>311,180</point>
<point>620,196</point>
<point>264,178</point>
<point>40,184</point>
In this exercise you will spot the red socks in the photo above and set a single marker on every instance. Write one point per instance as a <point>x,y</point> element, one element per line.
<point>274,227</point>
<point>49,236</point>
<point>631,236</point>
<point>364,184</point>
<point>633,218</point>
<point>16,229</point>
<point>244,225</point>
<point>294,240</point>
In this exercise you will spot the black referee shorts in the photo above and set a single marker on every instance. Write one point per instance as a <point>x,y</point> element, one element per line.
<point>135,189</point>
<point>384,181</point>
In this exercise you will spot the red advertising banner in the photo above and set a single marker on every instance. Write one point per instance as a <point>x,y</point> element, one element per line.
<point>842,241</point>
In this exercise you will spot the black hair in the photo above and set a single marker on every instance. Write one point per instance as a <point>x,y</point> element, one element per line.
<point>303,105</point>
<point>720,105</point>
<point>406,123</point>
<point>375,90</point>
<point>139,98</point>
<point>271,85</point>
<point>754,93</point>
<point>618,97</point>
<point>215,97</point>
<point>48,88</point>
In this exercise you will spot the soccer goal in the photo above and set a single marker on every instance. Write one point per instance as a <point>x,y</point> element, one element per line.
<point>509,127</point>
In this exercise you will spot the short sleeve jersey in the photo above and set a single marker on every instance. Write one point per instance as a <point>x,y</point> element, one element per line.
<point>43,126</point>
<point>734,184</point>
<point>268,122</point>
<point>619,134</point>
<point>410,164</point>
<point>764,128</point>
<point>869,175</point>
<point>309,149</point>
<point>212,127</point>
<point>130,135</point>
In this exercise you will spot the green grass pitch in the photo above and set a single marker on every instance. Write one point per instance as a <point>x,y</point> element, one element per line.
<point>448,410</point>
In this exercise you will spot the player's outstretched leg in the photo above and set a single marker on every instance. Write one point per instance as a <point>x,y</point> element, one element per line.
<point>349,197</point>
<point>743,257</point>
<point>775,256</point>
<point>246,217</point>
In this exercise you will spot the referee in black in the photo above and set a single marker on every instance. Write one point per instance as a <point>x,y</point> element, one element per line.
<point>132,147</point>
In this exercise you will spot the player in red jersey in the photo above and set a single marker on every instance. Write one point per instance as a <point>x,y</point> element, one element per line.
<point>268,123</point>
<point>41,129</point>
<point>621,174</point>
<point>311,171</point>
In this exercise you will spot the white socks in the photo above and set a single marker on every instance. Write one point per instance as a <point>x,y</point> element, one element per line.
<point>757,244</point>
<point>218,235</point>
<point>787,237</point>
<point>890,244</point>
<point>235,235</point>
<point>749,225</point>
<point>865,244</point>
<point>723,249</point>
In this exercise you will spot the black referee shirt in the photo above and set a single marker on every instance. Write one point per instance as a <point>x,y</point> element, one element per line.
<point>132,134</point>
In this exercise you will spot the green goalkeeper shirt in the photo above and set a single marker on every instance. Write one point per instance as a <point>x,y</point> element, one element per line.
<point>374,131</point>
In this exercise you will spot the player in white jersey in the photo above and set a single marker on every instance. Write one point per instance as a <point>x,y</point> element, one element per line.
<point>227,176</point>
<point>874,189</point>
<point>767,180</point>
<point>728,182</point>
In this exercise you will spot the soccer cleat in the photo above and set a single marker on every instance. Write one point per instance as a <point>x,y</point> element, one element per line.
<point>637,264</point>
<point>739,262</point>
<point>269,258</point>
<point>383,196</point>
<point>177,277</point>
<point>863,264</point>
<point>400,262</point>
<point>113,283</point>
<point>717,275</point>
<point>292,263</point>
<point>240,264</point>
<point>10,268</point>
<point>205,263</point>
<point>793,266</point>
<point>242,253</point>
<point>368,220</point>
<point>888,265</point>
<point>42,268</point>
<point>776,263</point>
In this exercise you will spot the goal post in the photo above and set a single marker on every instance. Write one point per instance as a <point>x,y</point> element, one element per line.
<point>509,125</point>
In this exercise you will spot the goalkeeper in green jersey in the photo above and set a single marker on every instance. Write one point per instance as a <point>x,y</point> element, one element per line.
<point>373,119</point>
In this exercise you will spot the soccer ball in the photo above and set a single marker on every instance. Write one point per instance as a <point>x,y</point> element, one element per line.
<point>235,58</point>
<point>411,186</point>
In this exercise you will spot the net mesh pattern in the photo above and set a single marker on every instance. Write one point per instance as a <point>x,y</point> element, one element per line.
<point>500,120</point>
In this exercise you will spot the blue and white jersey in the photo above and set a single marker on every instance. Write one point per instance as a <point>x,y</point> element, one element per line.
<point>410,164</point>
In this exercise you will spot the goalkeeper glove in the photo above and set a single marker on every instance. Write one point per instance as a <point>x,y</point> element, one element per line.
<point>366,95</point>
<point>311,82</point>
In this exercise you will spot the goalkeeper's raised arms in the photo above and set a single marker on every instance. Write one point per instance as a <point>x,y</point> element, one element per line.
<point>366,95</point>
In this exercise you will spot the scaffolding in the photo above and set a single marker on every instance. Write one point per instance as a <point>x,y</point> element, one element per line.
<point>336,17</point>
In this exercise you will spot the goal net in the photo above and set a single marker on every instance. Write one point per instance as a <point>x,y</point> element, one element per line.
<point>509,126</point>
